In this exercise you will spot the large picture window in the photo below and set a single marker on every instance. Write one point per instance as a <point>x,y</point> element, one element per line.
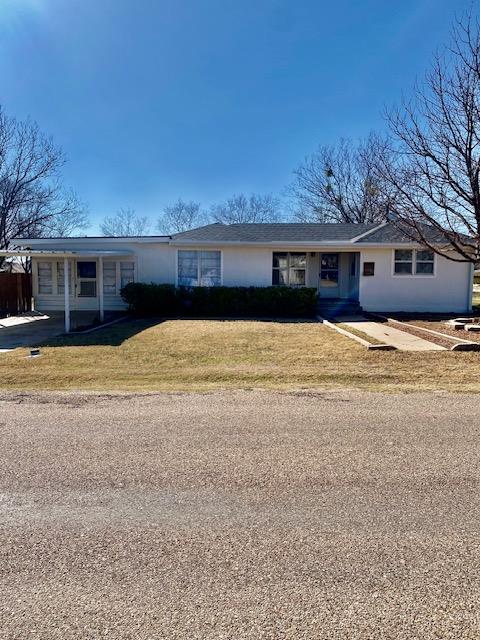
<point>289,269</point>
<point>199,268</point>
<point>414,262</point>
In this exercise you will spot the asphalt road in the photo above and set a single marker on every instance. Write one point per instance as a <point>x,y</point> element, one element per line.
<point>239,515</point>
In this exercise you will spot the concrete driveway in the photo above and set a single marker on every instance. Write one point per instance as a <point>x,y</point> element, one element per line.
<point>243,515</point>
<point>29,329</point>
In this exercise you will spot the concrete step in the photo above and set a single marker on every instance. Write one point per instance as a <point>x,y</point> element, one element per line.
<point>332,307</point>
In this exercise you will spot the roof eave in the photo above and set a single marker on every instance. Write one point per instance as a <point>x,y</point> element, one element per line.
<point>92,239</point>
<point>262,243</point>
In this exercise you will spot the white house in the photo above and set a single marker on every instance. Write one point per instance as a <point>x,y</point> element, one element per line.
<point>374,266</point>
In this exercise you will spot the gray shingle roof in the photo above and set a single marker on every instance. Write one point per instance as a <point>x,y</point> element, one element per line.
<point>274,232</point>
<point>392,233</point>
<point>285,232</point>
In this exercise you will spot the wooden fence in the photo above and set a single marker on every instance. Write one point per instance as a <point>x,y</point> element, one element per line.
<point>15,293</point>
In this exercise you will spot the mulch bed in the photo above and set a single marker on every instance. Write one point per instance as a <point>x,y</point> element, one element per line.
<point>415,331</point>
<point>445,328</point>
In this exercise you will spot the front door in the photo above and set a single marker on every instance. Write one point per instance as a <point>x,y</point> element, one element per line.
<point>329,287</point>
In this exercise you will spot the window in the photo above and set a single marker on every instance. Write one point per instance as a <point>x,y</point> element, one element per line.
<point>368,268</point>
<point>127,273</point>
<point>329,270</point>
<point>87,269</point>
<point>289,269</point>
<point>414,262</point>
<point>199,268</point>
<point>45,280</point>
<point>109,278</point>
<point>403,261</point>
<point>61,279</point>
<point>424,262</point>
<point>87,279</point>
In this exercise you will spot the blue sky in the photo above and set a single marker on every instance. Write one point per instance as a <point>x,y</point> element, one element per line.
<point>156,99</point>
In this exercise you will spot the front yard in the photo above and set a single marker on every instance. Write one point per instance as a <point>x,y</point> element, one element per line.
<point>201,355</point>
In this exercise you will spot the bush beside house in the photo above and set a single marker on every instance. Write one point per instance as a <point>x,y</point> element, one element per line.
<point>166,300</point>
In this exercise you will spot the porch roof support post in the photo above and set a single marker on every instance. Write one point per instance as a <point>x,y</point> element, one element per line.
<point>100,289</point>
<point>66,280</point>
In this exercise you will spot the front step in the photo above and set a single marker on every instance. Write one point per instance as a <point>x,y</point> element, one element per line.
<point>330,307</point>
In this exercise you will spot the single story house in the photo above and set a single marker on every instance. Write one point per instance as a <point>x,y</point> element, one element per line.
<point>375,266</point>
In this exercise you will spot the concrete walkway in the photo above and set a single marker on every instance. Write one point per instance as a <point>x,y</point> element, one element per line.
<point>29,330</point>
<point>389,335</point>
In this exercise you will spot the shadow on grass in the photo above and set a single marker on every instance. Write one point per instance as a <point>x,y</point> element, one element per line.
<point>117,334</point>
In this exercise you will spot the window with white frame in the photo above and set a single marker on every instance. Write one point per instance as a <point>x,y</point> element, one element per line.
<point>424,262</point>
<point>45,278</point>
<point>109,278</point>
<point>127,273</point>
<point>199,268</point>
<point>289,269</point>
<point>409,262</point>
<point>87,278</point>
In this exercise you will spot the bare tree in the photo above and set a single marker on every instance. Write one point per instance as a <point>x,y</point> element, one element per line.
<point>125,223</point>
<point>181,216</point>
<point>437,166</point>
<point>244,209</point>
<point>341,183</point>
<point>32,200</point>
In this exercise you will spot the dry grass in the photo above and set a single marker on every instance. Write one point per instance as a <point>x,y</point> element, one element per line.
<point>358,333</point>
<point>202,355</point>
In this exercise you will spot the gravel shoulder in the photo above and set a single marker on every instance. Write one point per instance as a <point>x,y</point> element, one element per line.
<point>239,515</point>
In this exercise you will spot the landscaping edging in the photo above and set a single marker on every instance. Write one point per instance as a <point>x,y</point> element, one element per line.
<point>459,344</point>
<point>352,336</point>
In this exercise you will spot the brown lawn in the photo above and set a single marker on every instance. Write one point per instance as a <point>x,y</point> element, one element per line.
<point>200,355</point>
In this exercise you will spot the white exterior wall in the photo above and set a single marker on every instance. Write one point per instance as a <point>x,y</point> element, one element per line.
<point>247,266</point>
<point>156,263</point>
<point>448,290</point>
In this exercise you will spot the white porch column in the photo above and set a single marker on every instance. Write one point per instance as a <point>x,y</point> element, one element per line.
<point>66,280</point>
<point>100,288</point>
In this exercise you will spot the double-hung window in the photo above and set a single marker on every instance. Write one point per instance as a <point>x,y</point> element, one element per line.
<point>424,261</point>
<point>109,278</point>
<point>117,275</point>
<point>414,262</point>
<point>45,278</point>
<point>199,268</point>
<point>127,273</point>
<point>289,269</point>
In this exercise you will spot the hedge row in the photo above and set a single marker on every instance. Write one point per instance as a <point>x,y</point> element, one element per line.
<point>165,300</point>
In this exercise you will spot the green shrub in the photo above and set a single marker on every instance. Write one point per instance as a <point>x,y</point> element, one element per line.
<point>167,301</point>
<point>150,299</point>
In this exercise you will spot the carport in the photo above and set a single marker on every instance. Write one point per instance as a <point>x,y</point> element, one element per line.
<point>98,256</point>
